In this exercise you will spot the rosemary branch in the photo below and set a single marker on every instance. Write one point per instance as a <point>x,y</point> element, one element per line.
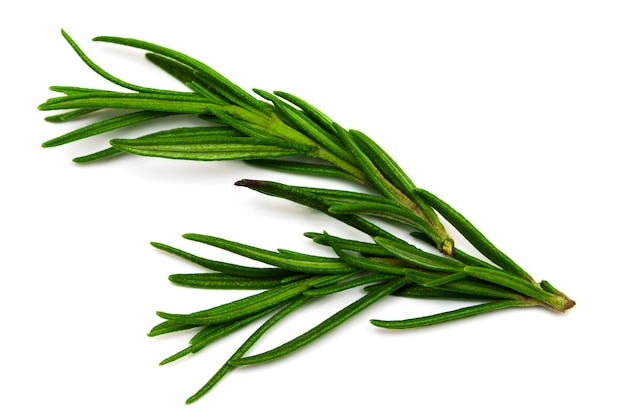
<point>262,131</point>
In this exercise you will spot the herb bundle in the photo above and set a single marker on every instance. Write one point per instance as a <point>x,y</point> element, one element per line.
<point>268,130</point>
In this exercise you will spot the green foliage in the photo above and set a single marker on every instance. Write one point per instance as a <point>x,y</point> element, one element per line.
<point>263,131</point>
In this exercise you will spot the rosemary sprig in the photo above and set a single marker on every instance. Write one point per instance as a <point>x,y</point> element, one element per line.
<point>262,131</point>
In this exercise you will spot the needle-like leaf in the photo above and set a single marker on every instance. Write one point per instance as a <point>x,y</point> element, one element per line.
<point>419,257</point>
<point>196,144</point>
<point>227,268</point>
<point>213,78</point>
<point>301,168</point>
<point>105,153</point>
<point>324,327</point>
<point>246,346</point>
<point>448,316</point>
<point>223,281</point>
<point>240,308</point>
<point>314,264</point>
<point>105,126</point>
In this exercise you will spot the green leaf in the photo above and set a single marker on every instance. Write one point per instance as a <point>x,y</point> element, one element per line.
<point>320,118</point>
<point>419,291</point>
<point>70,115</point>
<point>419,257</point>
<point>315,264</point>
<point>385,211</point>
<point>227,268</point>
<point>530,289</point>
<point>307,127</point>
<point>169,327</point>
<point>223,281</point>
<point>214,332</point>
<point>394,174</point>
<point>188,103</point>
<point>341,286</point>
<point>383,162</point>
<point>448,316</point>
<point>242,307</point>
<point>304,196</point>
<point>325,326</point>
<point>186,75</point>
<point>364,248</point>
<point>105,126</point>
<point>196,144</point>
<point>383,265</point>
<point>296,277</point>
<point>97,69</point>
<point>446,279</point>
<point>464,286</point>
<point>331,279</point>
<point>375,177</point>
<point>301,168</point>
<point>472,234</point>
<point>105,153</point>
<point>252,124</point>
<point>211,77</point>
<point>227,367</point>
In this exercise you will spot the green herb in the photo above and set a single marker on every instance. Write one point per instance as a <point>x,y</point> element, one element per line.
<point>262,130</point>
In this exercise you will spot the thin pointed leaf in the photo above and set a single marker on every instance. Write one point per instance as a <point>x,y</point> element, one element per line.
<point>458,254</point>
<point>217,81</point>
<point>223,281</point>
<point>315,264</point>
<point>186,75</point>
<point>366,165</point>
<point>227,268</point>
<point>193,144</point>
<point>254,130</point>
<point>311,111</point>
<point>307,127</point>
<point>347,197</point>
<point>169,327</point>
<point>341,286</point>
<point>325,326</point>
<point>301,168</point>
<point>419,291</point>
<point>392,171</point>
<point>97,69</point>
<point>180,354</point>
<point>105,153</point>
<point>217,331</point>
<point>446,279</point>
<point>381,159</point>
<point>473,235</point>
<point>516,283</point>
<point>105,126</point>
<point>187,103</point>
<point>463,286</point>
<point>382,265</point>
<point>419,257</point>
<point>448,316</point>
<point>550,288</point>
<point>242,307</point>
<point>246,346</point>
<point>331,279</point>
<point>70,115</point>
<point>385,211</point>
<point>211,333</point>
<point>295,277</point>
<point>364,248</point>
<point>303,196</point>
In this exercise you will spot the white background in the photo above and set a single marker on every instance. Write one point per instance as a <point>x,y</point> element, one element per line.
<point>514,112</point>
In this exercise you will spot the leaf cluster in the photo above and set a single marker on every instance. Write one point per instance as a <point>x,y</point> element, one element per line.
<point>267,130</point>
